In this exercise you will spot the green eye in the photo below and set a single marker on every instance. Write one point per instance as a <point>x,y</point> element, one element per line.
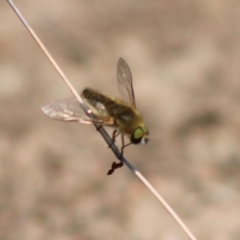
<point>138,135</point>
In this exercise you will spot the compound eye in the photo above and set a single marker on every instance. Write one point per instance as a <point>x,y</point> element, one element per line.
<point>137,135</point>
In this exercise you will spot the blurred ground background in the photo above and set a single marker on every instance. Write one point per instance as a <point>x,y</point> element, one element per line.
<point>185,60</point>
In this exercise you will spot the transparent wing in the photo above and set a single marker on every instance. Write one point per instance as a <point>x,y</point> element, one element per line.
<point>125,85</point>
<point>98,109</point>
<point>68,110</point>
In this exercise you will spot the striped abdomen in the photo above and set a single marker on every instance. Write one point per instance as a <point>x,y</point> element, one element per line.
<point>104,107</point>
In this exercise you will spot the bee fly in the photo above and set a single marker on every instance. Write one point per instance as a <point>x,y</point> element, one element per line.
<point>120,114</point>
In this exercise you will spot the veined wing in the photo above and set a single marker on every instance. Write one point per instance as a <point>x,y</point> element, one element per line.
<point>125,85</point>
<point>96,102</point>
<point>68,110</point>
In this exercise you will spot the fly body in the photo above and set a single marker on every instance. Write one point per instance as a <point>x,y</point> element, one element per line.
<point>121,114</point>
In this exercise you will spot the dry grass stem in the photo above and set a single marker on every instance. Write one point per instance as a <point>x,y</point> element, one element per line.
<point>101,130</point>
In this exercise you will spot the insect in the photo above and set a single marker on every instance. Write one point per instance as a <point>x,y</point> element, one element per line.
<point>120,114</point>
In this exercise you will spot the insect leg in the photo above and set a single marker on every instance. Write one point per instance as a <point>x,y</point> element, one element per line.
<point>114,135</point>
<point>116,165</point>
<point>123,146</point>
